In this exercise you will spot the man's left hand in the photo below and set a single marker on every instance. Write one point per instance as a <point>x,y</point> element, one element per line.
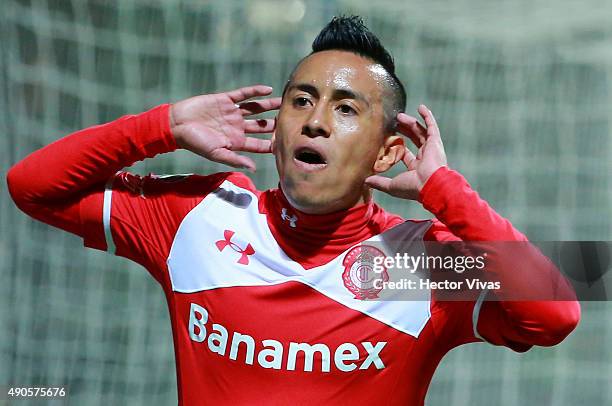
<point>429,158</point>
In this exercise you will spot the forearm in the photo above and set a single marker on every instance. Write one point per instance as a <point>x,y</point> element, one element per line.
<point>451,199</point>
<point>522,270</point>
<point>72,164</point>
<point>538,304</point>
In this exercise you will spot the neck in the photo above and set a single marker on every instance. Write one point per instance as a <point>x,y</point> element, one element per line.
<point>364,197</point>
<point>315,238</point>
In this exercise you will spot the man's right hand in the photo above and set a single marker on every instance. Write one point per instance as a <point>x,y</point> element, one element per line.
<point>214,125</point>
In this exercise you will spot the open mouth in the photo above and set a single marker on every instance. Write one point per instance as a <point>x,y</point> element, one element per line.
<point>309,159</point>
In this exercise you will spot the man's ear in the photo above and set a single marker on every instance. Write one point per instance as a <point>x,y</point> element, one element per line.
<point>391,152</point>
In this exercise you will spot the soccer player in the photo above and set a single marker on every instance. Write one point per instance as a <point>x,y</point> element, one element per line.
<point>264,304</point>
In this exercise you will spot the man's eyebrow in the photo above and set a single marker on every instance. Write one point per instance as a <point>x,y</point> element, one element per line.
<point>349,94</point>
<point>304,87</point>
<point>337,94</point>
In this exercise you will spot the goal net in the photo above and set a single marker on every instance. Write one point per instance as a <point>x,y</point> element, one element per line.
<point>521,90</point>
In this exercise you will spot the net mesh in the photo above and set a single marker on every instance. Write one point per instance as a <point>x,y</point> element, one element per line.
<point>521,90</point>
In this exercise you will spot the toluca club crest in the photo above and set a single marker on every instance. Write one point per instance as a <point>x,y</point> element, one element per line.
<point>359,274</point>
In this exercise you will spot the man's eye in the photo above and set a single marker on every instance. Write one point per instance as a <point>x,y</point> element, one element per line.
<point>346,109</point>
<point>301,101</point>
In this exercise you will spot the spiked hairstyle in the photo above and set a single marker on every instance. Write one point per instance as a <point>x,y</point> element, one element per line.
<point>349,33</point>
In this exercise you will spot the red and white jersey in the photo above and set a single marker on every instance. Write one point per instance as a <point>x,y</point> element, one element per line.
<point>260,296</point>
<point>246,315</point>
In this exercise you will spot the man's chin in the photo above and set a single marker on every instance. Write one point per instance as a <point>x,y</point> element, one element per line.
<point>318,198</point>
<point>305,196</point>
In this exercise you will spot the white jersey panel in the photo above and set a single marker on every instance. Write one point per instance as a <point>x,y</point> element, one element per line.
<point>226,242</point>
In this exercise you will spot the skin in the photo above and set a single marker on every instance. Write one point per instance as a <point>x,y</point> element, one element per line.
<point>333,104</point>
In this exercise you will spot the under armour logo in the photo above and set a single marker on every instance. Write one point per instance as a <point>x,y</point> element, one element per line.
<point>244,253</point>
<point>292,220</point>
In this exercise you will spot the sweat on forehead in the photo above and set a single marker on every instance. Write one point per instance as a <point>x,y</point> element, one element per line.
<point>340,68</point>
<point>339,59</point>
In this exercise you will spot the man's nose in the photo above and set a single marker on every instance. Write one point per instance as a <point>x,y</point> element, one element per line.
<point>317,124</point>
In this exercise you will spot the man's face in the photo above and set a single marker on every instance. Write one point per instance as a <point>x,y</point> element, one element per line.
<point>329,131</point>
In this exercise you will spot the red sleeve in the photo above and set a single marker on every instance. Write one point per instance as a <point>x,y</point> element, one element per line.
<point>462,215</point>
<point>73,184</point>
<point>137,217</point>
<point>50,184</point>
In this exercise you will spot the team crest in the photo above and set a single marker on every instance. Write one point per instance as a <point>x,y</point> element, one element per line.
<point>359,274</point>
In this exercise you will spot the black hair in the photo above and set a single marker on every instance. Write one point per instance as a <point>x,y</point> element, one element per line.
<point>349,33</point>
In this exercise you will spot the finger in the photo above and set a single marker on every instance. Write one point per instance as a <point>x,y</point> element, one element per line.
<point>378,182</point>
<point>259,106</point>
<point>244,93</point>
<point>430,121</point>
<point>259,126</point>
<point>409,159</point>
<point>225,156</point>
<point>410,127</point>
<point>257,145</point>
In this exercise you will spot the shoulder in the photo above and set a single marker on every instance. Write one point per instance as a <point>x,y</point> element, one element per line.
<point>433,229</point>
<point>188,184</point>
<point>396,226</point>
<point>387,220</point>
<point>440,232</point>
<point>384,219</point>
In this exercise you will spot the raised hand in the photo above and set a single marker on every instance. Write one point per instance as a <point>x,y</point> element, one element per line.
<point>214,125</point>
<point>429,158</point>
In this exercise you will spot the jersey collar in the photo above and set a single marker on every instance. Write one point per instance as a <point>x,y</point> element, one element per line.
<point>315,239</point>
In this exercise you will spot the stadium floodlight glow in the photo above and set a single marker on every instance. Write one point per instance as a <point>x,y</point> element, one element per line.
<point>275,15</point>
